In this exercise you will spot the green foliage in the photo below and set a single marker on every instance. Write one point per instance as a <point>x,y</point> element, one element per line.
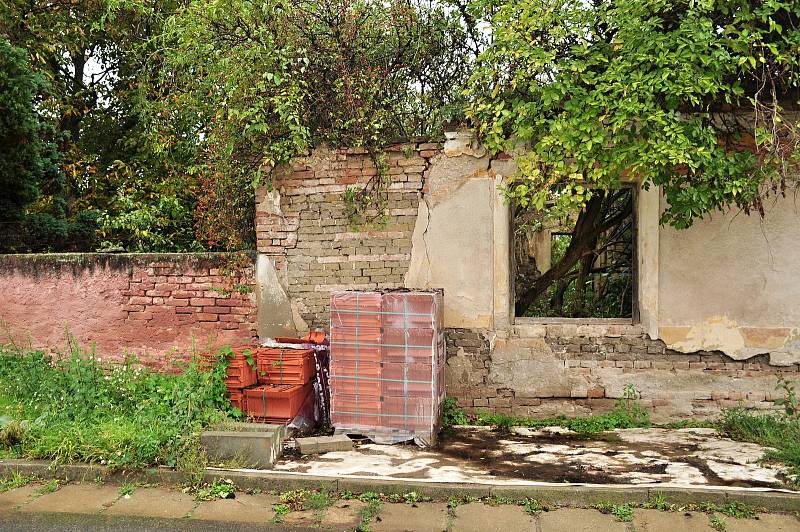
<point>717,523</point>
<point>789,401</point>
<point>627,413</point>
<point>777,431</point>
<point>688,95</point>
<point>14,481</point>
<point>368,514</point>
<point>218,489</point>
<point>623,512</point>
<point>26,157</point>
<point>77,409</point>
<point>452,414</point>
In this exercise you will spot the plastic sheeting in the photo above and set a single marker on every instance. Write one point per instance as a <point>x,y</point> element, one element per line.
<point>387,365</point>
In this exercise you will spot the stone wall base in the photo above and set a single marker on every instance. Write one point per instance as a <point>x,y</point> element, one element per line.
<point>557,370</point>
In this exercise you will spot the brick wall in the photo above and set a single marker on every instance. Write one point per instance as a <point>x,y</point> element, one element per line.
<point>561,370</point>
<point>146,304</point>
<point>302,223</point>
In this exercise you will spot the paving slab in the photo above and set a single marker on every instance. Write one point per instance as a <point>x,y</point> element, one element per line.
<point>154,502</point>
<point>580,520</point>
<point>477,517</point>
<point>17,497</point>
<point>243,509</point>
<point>75,499</point>
<point>302,518</point>
<point>324,444</point>
<point>427,517</point>
<point>764,523</point>
<point>343,514</point>
<point>658,521</point>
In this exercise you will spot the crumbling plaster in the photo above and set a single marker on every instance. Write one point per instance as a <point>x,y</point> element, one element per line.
<point>731,283</point>
<point>461,240</point>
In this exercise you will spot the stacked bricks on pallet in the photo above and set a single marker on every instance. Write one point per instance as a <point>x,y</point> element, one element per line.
<point>387,365</point>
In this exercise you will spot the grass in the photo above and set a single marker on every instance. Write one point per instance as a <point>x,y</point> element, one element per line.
<point>14,481</point>
<point>717,523</point>
<point>76,408</point>
<point>627,413</point>
<point>218,489</point>
<point>368,514</point>
<point>781,432</point>
<point>623,512</point>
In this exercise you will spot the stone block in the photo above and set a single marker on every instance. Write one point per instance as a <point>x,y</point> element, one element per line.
<point>252,449</point>
<point>324,444</point>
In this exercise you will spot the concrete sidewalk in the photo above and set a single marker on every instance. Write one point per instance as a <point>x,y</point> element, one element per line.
<point>90,506</point>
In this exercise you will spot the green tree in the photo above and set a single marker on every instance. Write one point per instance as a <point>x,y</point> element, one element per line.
<point>26,157</point>
<point>695,96</point>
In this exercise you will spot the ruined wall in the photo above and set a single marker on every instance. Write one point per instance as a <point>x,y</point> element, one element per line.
<point>732,283</point>
<point>448,226</point>
<point>144,304</point>
<point>569,369</point>
<point>303,226</point>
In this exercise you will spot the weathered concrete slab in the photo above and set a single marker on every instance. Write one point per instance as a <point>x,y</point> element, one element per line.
<point>478,517</point>
<point>580,520</point>
<point>17,497</point>
<point>657,521</point>
<point>154,502</point>
<point>651,457</point>
<point>247,449</point>
<point>771,522</point>
<point>324,444</point>
<point>75,499</point>
<point>401,517</point>
<point>343,514</point>
<point>243,509</point>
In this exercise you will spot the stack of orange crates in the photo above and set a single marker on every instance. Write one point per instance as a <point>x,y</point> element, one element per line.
<point>387,364</point>
<point>284,377</point>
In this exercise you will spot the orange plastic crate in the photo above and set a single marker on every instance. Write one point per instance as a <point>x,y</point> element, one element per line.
<point>285,366</point>
<point>282,401</point>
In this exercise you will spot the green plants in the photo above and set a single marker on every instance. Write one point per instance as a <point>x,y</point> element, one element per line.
<point>15,480</point>
<point>717,523</point>
<point>623,512</point>
<point>658,501</point>
<point>368,514</point>
<point>789,401</point>
<point>126,490</point>
<point>49,487</point>
<point>218,489</point>
<point>76,408</point>
<point>778,431</point>
<point>452,414</point>
<point>532,506</point>
<point>280,509</point>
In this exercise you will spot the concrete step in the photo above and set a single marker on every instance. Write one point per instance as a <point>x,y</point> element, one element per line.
<point>245,445</point>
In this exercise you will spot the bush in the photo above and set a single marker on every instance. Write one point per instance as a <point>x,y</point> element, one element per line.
<point>76,409</point>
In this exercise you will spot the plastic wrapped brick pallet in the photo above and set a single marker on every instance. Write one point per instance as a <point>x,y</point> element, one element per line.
<point>387,365</point>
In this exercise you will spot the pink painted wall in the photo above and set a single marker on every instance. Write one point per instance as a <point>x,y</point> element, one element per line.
<point>150,305</point>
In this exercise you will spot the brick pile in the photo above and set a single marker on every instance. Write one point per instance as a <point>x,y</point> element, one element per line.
<point>387,365</point>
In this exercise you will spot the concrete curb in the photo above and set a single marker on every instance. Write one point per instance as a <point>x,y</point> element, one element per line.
<point>552,494</point>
